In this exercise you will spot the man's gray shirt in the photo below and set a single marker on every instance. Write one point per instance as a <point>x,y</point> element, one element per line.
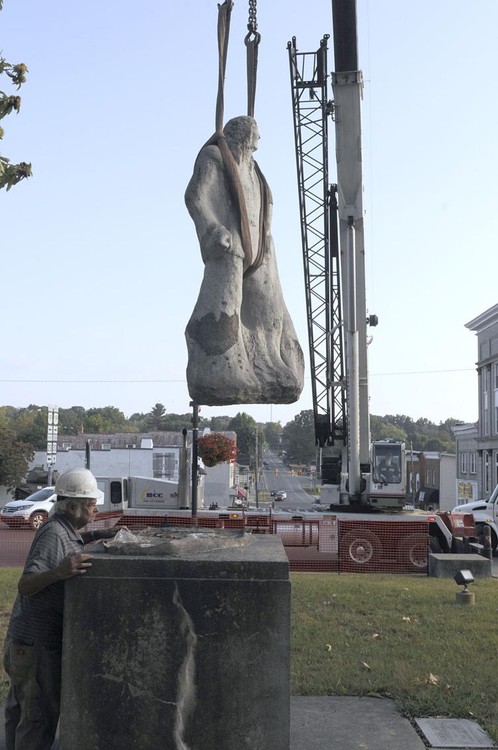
<point>38,618</point>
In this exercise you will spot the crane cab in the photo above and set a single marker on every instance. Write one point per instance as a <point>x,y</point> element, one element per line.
<point>388,474</point>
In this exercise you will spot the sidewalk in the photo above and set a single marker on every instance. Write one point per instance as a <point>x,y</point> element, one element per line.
<point>338,723</point>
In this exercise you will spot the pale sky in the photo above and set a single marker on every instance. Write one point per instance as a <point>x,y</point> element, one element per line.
<point>101,266</point>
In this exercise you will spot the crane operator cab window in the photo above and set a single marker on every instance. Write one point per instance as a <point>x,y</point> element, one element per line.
<point>387,464</point>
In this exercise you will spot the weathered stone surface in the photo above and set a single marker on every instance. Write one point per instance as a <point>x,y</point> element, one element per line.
<point>176,542</point>
<point>454,733</point>
<point>186,652</point>
<point>242,345</point>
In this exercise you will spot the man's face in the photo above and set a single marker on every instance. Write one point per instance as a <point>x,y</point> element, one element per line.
<point>254,138</point>
<point>82,512</point>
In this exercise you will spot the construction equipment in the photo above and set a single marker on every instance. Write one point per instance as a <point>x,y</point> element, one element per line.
<point>334,269</point>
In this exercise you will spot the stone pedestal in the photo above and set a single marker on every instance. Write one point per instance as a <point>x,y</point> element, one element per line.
<point>179,653</point>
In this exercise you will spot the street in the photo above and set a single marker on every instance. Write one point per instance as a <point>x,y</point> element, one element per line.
<point>279,477</point>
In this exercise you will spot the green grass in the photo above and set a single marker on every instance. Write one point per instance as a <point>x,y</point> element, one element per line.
<point>397,636</point>
<point>8,589</point>
<point>403,637</point>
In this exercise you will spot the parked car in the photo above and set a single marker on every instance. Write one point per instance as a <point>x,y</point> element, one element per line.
<point>280,495</point>
<point>32,511</point>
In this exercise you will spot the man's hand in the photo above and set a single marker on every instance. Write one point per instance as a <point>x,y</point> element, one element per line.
<point>74,564</point>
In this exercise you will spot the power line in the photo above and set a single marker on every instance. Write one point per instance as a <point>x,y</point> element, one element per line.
<point>371,374</point>
<point>89,381</point>
<point>423,372</point>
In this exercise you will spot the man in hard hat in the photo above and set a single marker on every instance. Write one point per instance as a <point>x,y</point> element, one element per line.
<point>33,647</point>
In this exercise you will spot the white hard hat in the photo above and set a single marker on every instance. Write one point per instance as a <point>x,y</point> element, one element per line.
<point>78,483</point>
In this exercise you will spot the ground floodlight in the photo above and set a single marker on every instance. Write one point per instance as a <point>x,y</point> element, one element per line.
<point>463,578</point>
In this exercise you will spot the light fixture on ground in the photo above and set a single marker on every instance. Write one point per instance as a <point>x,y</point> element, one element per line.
<point>464,578</point>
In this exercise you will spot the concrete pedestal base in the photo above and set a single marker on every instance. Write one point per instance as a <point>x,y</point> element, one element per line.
<point>179,654</point>
<point>447,565</point>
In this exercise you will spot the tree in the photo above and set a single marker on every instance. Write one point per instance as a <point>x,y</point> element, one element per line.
<point>14,458</point>
<point>246,427</point>
<point>273,433</point>
<point>11,174</point>
<point>154,420</point>
<point>298,438</point>
<point>106,420</point>
<point>177,422</point>
<point>219,424</point>
<point>382,430</point>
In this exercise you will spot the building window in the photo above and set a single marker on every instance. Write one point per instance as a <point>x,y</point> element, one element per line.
<point>427,477</point>
<point>105,447</point>
<point>434,478</point>
<point>485,400</point>
<point>463,463</point>
<point>485,456</point>
<point>163,465</point>
<point>472,463</point>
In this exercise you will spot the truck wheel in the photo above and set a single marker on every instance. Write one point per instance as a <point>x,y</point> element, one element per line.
<point>413,551</point>
<point>360,547</point>
<point>434,545</point>
<point>37,519</point>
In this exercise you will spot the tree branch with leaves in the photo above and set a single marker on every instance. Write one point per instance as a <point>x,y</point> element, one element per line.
<point>11,174</point>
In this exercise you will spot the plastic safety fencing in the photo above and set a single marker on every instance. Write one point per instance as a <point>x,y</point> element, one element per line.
<point>318,544</point>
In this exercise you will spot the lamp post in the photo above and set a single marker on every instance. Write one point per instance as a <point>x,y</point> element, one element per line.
<point>195,432</point>
<point>256,470</point>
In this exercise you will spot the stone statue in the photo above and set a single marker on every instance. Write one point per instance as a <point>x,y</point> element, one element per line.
<point>242,347</point>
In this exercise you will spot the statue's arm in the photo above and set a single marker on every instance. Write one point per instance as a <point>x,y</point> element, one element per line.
<point>206,203</point>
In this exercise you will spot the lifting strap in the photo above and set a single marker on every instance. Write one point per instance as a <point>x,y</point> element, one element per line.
<point>251,263</point>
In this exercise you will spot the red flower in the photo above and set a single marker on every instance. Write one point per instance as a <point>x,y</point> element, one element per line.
<point>216,449</point>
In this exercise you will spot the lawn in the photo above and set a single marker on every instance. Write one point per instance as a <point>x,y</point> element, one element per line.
<point>398,636</point>
<point>383,635</point>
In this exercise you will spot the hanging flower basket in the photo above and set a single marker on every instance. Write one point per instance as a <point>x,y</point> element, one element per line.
<point>216,449</point>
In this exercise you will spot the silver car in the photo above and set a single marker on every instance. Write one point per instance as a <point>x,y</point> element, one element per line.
<point>32,511</point>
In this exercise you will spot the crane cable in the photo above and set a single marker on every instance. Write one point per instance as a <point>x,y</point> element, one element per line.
<point>251,41</point>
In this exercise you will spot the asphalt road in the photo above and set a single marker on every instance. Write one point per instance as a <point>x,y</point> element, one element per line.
<point>279,477</point>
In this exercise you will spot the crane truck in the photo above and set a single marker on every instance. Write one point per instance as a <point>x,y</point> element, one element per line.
<point>355,470</point>
<point>357,474</point>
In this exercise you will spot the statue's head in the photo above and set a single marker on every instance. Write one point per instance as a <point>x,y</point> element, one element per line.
<point>242,132</point>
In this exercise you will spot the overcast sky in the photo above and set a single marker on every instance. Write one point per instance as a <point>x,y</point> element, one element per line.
<point>101,266</point>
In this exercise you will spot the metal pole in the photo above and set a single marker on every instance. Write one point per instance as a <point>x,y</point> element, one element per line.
<point>195,432</point>
<point>256,474</point>
<point>183,472</point>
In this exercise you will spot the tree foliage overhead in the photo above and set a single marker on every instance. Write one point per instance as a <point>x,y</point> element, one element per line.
<point>11,174</point>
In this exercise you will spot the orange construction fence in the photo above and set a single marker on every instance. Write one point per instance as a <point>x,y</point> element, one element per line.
<point>317,544</point>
